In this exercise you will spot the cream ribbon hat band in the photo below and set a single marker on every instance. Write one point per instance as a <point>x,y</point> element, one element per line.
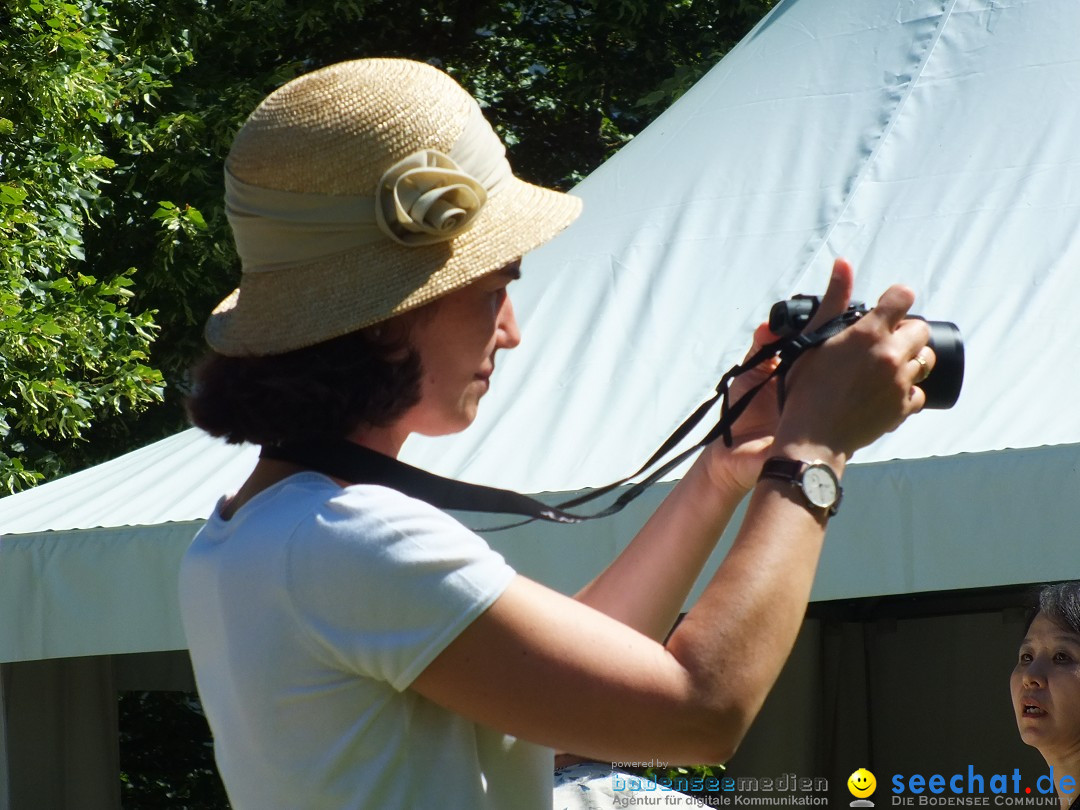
<point>422,199</point>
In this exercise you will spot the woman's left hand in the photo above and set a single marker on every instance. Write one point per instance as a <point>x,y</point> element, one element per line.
<point>736,468</point>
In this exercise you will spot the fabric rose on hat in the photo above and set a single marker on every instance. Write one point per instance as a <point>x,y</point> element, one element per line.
<point>425,198</point>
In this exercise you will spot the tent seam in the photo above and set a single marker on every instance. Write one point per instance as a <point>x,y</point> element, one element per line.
<point>883,136</point>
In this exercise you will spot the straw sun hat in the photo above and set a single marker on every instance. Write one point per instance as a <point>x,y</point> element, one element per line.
<point>363,190</point>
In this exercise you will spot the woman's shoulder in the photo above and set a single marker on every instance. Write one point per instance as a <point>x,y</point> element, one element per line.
<point>313,493</point>
<point>384,505</point>
<point>384,533</point>
<point>309,516</point>
<point>395,523</point>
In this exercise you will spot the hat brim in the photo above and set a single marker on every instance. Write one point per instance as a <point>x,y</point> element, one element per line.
<point>277,312</point>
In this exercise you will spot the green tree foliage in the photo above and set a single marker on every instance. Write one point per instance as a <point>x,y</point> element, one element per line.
<point>166,760</point>
<point>71,346</point>
<point>115,118</point>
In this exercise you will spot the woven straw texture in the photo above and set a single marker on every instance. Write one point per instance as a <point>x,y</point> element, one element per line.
<point>336,131</point>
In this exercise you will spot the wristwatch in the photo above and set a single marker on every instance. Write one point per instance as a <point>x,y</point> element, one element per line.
<point>816,481</point>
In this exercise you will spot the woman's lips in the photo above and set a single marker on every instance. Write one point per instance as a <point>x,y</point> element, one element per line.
<point>1031,708</point>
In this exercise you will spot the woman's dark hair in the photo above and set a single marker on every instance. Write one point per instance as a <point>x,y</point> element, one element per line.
<point>1060,603</point>
<point>326,391</point>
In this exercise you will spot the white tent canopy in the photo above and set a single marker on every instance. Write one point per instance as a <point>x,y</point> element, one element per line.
<point>932,142</point>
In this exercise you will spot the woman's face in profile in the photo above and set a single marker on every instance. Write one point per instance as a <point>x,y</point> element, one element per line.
<point>1045,687</point>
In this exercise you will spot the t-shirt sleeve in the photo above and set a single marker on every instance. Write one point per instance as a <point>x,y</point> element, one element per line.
<point>382,583</point>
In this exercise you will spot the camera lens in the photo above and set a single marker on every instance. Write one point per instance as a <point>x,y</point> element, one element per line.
<point>943,386</point>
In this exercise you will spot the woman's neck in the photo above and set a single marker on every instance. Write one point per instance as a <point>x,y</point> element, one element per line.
<point>386,440</point>
<point>269,472</point>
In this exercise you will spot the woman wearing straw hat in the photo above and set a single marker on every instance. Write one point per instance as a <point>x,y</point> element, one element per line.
<point>355,647</point>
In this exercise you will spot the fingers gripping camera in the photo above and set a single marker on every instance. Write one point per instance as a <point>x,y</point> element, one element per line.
<point>942,386</point>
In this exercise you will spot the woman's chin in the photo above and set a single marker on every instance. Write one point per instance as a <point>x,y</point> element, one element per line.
<point>447,426</point>
<point>1031,736</point>
<point>1045,744</point>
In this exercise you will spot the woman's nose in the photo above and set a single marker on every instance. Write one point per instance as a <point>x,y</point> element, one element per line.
<point>509,334</point>
<point>1034,675</point>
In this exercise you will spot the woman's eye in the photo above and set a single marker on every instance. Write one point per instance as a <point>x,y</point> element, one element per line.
<point>1025,658</point>
<point>1062,657</point>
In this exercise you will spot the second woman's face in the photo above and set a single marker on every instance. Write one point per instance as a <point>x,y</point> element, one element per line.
<point>1045,687</point>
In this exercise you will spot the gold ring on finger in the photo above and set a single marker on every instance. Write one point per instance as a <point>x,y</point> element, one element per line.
<point>924,367</point>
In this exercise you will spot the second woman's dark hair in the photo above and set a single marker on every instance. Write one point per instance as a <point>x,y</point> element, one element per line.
<point>326,391</point>
<point>1060,603</point>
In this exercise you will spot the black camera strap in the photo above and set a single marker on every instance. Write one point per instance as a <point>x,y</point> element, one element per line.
<point>348,461</point>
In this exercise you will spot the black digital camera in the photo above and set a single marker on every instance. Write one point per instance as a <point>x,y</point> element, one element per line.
<point>942,386</point>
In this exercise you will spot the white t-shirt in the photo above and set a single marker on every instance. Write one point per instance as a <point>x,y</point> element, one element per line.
<point>308,614</point>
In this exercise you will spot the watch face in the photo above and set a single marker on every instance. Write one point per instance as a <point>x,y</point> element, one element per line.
<point>819,486</point>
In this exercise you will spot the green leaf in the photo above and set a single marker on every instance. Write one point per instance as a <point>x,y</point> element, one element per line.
<point>194,215</point>
<point>12,195</point>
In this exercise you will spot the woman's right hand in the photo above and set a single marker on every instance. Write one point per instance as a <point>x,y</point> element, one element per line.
<point>859,384</point>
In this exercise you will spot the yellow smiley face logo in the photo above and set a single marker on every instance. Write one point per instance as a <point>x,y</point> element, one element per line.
<point>861,783</point>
